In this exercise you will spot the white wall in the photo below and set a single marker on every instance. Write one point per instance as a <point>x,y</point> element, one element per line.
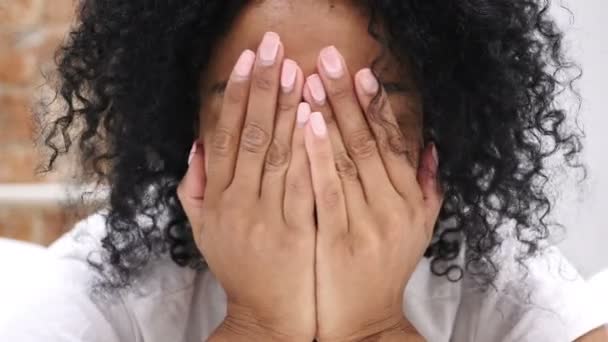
<point>584,211</point>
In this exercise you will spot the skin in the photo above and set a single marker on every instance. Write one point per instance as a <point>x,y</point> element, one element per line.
<point>252,209</point>
<point>303,27</point>
<point>258,175</point>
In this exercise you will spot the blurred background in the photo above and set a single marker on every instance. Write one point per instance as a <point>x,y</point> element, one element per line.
<point>32,208</point>
<point>36,209</point>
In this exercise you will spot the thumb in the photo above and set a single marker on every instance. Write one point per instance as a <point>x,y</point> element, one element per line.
<point>191,190</point>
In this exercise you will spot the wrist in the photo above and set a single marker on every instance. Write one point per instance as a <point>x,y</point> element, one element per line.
<point>401,331</point>
<point>227,332</point>
<point>236,329</point>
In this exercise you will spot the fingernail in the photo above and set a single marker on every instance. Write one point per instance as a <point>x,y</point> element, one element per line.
<point>192,152</point>
<point>243,66</point>
<point>315,85</point>
<point>303,114</point>
<point>368,82</point>
<point>269,48</point>
<point>288,75</point>
<point>318,124</point>
<point>331,61</point>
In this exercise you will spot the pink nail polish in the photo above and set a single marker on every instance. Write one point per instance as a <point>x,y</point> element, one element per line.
<point>332,63</point>
<point>303,114</point>
<point>317,123</point>
<point>315,85</point>
<point>269,48</point>
<point>243,66</point>
<point>288,75</point>
<point>368,82</point>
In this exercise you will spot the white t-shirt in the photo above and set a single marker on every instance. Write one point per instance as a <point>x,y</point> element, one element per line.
<point>170,303</point>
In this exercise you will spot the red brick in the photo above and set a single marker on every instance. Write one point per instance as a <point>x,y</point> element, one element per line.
<point>20,14</point>
<point>15,115</point>
<point>18,163</point>
<point>17,67</point>
<point>59,11</point>
<point>43,44</point>
<point>7,40</point>
<point>15,224</point>
<point>38,223</point>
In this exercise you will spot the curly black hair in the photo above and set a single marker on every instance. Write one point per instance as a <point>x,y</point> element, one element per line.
<point>489,73</point>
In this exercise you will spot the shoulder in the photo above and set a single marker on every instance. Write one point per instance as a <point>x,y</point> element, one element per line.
<point>542,298</point>
<point>52,302</point>
<point>83,245</point>
<point>58,296</point>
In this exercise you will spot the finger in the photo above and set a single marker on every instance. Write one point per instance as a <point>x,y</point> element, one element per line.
<point>391,141</point>
<point>191,189</point>
<point>223,146</point>
<point>259,122</point>
<point>314,93</point>
<point>326,184</point>
<point>279,153</point>
<point>298,207</point>
<point>431,191</point>
<point>358,138</point>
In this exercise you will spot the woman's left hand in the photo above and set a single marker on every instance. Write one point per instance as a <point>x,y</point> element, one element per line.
<point>375,211</point>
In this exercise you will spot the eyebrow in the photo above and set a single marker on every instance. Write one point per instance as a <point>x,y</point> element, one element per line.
<point>218,88</point>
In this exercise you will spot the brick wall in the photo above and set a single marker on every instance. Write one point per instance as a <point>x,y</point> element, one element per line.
<point>32,207</point>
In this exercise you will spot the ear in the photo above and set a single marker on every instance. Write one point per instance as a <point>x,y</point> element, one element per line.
<point>192,186</point>
<point>429,183</point>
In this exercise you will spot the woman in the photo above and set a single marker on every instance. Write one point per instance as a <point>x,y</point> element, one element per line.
<point>362,170</point>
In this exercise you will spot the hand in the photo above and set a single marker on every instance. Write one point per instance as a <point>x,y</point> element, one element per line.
<point>374,220</point>
<point>252,210</point>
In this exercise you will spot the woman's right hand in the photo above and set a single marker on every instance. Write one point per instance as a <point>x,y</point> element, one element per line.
<point>251,209</point>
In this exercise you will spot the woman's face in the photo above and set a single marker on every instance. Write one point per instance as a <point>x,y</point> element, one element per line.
<point>305,27</point>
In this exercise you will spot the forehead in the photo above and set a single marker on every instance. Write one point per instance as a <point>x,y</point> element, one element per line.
<point>305,27</point>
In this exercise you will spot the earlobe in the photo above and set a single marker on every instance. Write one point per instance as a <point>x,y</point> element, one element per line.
<point>428,170</point>
<point>195,179</point>
<point>421,169</point>
<point>429,182</point>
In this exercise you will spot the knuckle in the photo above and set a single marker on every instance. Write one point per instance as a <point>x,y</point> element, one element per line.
<point>361,144</point>
<point>339,92</point>
<point>286,106</point>
<point>410,213</point>
<point>223,141</point>
<point>416,217</point>
<point>231,206</point>
<point>236,93</point>
<point>416,212</point>
<point>254,138</point>
<point>374,243</point>
<point>228,201</point>
<point>330,197</point>
<point>263,81</point>
<point>328,116</point>
<point>278,155</point>
<point>419,217</point>
<point>324,155</point>
<point>298,186</point>
<point>397,143</point>
<point>294,240</point>
<point>346,167</point>
<point>394,226</point>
